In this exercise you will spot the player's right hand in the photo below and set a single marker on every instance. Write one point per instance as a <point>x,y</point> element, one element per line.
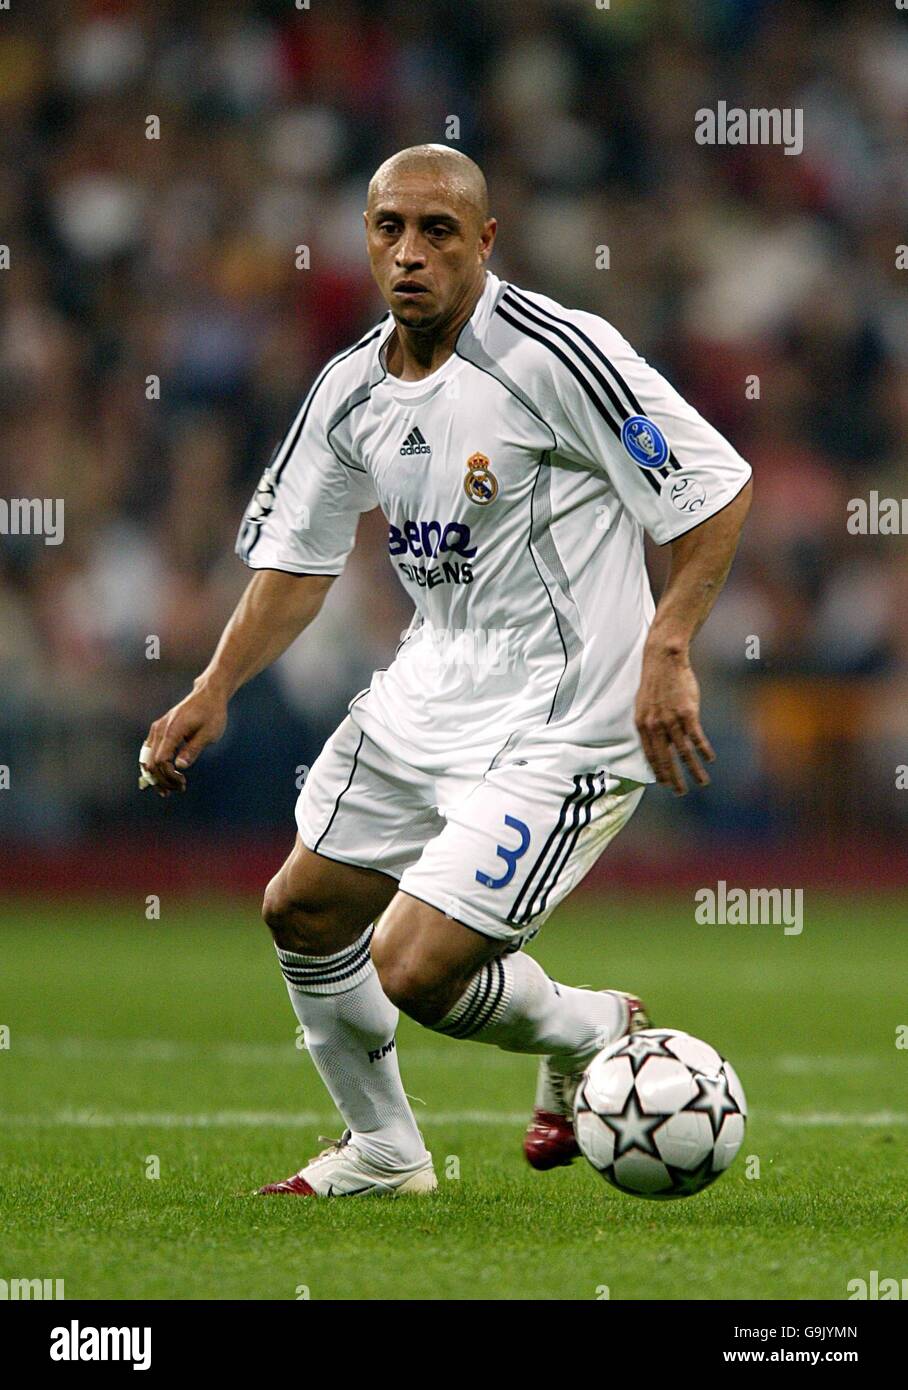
<point>176,739</point>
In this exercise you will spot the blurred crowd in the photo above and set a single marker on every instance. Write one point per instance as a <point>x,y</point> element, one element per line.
<point>768,288</point>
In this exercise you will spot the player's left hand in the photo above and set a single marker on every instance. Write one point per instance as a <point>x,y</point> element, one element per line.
<point>667,716</point>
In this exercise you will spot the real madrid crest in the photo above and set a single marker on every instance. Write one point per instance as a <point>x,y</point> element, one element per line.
<point>480,484</point>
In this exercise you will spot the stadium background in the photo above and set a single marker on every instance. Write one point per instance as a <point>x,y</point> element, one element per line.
<point>137,1045</point>
<point>175,257</point>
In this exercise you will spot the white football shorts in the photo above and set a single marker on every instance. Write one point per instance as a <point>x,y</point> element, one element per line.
<point>497,851</point>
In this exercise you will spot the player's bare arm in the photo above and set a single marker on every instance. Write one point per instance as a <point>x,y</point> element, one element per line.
<point>274,609</point>
<point>667,711</point>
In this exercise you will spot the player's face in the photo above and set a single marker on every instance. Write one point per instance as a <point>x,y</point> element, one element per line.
<point>427,247</point>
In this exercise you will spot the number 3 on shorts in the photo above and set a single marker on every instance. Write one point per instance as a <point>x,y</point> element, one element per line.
<point>510,856</point>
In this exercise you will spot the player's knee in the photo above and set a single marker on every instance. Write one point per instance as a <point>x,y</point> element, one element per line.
<point>295,923</point>
<point>273,904</point>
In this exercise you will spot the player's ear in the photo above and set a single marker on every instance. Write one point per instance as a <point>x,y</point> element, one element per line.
<point>487,238</point>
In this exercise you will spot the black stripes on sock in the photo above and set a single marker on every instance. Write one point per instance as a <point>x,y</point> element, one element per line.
<point>483,1002</point>
<point>328,974</point>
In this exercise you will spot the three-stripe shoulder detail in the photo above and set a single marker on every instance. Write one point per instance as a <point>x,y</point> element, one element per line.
<point>599,378</point>
<point>293,434</point>
<point>284,450</point>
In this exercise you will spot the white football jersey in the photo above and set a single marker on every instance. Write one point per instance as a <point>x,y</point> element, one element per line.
<point>517,481</point>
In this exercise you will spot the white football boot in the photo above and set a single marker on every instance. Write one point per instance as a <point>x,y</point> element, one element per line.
<point>342,1171</point>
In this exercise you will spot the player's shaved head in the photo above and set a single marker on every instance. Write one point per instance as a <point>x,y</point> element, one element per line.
<point>455,174</point>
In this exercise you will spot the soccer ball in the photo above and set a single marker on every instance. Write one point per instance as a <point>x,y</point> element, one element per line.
<point>659,1114</point>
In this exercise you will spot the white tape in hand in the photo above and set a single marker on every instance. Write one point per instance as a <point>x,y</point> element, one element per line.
<point>145,778</point>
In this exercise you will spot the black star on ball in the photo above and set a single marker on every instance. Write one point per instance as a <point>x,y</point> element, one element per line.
<point>633,1129</point>
<point>638,1048</point>
<point>714,1099</point>
<point>687,1181</point>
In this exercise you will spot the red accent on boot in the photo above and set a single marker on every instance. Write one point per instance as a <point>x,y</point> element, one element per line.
<point>295,1186</point>
<point>549,1141</point>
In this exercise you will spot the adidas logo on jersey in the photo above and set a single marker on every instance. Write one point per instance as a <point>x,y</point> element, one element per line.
<point>415,443</point>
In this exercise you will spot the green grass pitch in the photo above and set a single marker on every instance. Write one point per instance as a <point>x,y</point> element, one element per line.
<point>131,1040</point>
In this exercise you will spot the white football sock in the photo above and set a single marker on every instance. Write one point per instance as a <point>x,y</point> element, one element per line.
<point>512,1003</point>
<point>349,1025</point>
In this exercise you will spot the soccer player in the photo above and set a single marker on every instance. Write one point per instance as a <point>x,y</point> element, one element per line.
<point>519,450</point>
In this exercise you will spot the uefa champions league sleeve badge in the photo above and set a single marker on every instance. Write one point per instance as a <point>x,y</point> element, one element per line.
<point>644,441</point>
<point>480,484</point>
